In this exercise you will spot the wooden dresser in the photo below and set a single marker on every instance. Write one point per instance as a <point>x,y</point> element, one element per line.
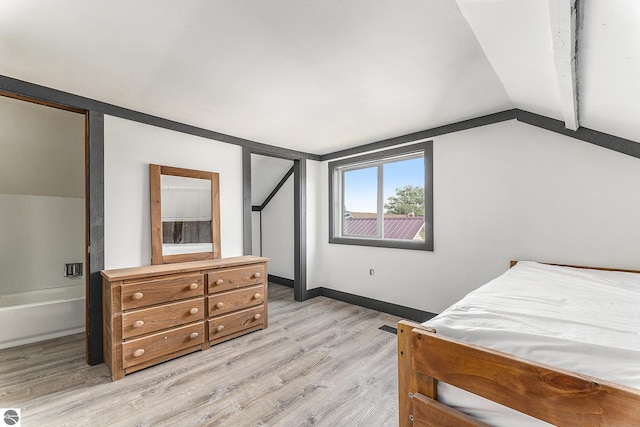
<point>155,313</point>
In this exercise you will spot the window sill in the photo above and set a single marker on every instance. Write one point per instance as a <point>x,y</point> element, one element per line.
<point>391,244</point>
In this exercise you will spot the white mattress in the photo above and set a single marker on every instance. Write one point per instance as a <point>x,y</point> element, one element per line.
<point>586,321</point>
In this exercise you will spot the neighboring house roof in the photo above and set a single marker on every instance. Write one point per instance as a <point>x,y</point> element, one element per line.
<point>395,227</point>
<point>373,215</point>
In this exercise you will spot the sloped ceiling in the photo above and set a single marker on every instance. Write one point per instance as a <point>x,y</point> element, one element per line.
<point>516,37</point>
<point>266,174</point>
<point>324,75</point>
<point>609,69</point>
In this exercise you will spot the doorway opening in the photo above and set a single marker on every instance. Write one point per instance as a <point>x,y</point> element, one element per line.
<point>272,207</point>
<point>274,215</point>
<point>43,217</point>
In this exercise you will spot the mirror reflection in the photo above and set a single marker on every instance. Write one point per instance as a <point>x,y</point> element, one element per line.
<point>186,215</point>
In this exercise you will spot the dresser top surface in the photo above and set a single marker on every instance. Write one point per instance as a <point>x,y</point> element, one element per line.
<point>178,268</point>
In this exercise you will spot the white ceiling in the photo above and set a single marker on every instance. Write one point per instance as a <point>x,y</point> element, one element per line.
<point>324,75</point>
<point>516,37</point>
<point>610,67</point>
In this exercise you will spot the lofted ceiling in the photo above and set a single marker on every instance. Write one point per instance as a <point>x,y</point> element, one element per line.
<point>325,75</point>
<point>266,174</point>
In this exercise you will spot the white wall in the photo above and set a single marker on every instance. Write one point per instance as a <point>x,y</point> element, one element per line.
<point>501,192</point>
<point>40,234</point>
<point>278,232</point>
<point>42,211</point>
<point>129,149</point>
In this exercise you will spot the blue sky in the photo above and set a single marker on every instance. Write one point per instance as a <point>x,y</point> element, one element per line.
<point>360,185</point>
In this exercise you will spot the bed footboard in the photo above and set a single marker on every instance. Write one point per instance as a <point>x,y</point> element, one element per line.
<point>410,381</point>
<point>557,396</point>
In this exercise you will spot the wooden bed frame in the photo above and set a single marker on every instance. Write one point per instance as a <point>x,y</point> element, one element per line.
<point>554,395</point>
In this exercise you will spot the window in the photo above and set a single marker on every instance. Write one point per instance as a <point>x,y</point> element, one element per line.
<point>383,198</point>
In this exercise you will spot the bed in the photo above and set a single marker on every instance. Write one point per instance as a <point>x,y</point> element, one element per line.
<point>539,345</point>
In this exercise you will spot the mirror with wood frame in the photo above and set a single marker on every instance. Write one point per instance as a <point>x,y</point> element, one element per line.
<point>185,214</point>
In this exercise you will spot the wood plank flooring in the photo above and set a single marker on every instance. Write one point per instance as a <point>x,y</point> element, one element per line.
<point>320,362</point>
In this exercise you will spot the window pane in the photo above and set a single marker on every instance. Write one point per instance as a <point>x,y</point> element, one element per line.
<point>404,199</point>
<point>367,198</point>
<point>360,200</point>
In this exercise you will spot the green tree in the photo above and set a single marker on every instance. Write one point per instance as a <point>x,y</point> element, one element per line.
<point>408,199</point>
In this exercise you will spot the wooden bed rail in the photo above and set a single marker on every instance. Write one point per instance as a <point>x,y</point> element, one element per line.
<point>558,396</point>
<point>410,381</point>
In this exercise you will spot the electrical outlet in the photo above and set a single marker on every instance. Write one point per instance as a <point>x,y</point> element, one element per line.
<point>371,271</point>
<point>73,269</point>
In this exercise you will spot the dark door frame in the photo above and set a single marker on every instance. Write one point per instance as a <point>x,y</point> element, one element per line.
<point>94,225</point>
<point>300,222</point>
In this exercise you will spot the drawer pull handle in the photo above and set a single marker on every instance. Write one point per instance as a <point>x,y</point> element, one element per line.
<point>219,282</point>
<point>257,296</point>
<point>137,296</point>
<point>257,316</point>
<point>139,352</point>
<point>138,324</point>
<point>256,275</point>
<point>193,335</point>
<point>194,310</point>
<point>220,305</point>
<point>220,328</point>
<point>193,286</point>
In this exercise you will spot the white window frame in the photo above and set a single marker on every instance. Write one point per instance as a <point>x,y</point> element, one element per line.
<point>379,159</point>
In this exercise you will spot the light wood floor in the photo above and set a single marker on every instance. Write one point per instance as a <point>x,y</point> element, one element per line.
<point>321,362</point>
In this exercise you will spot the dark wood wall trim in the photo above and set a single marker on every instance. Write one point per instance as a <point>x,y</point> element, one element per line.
<point>247,222</point>
<point>373,304</point>
<point>21,89</point>
<point>42,102</point>
<point>425,134</point>
<point>386,307</point>
<point>281,281</point>
<point>15,87</point>
<point>274,192</point>
<point>605,140</point>
<point>315,292</point>
<point>95,218</point>
<point>621,145</point>
<point>300,229</point>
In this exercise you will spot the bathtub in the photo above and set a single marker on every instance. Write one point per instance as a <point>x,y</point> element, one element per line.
<point>27,317</point>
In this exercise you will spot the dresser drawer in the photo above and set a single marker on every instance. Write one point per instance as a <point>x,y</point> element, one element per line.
<point>147,320</point>
<point>225,279</point>
<point>158,291</point>
<point>225,302</point>
<point>235,322</point>
<point>140,350</point>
